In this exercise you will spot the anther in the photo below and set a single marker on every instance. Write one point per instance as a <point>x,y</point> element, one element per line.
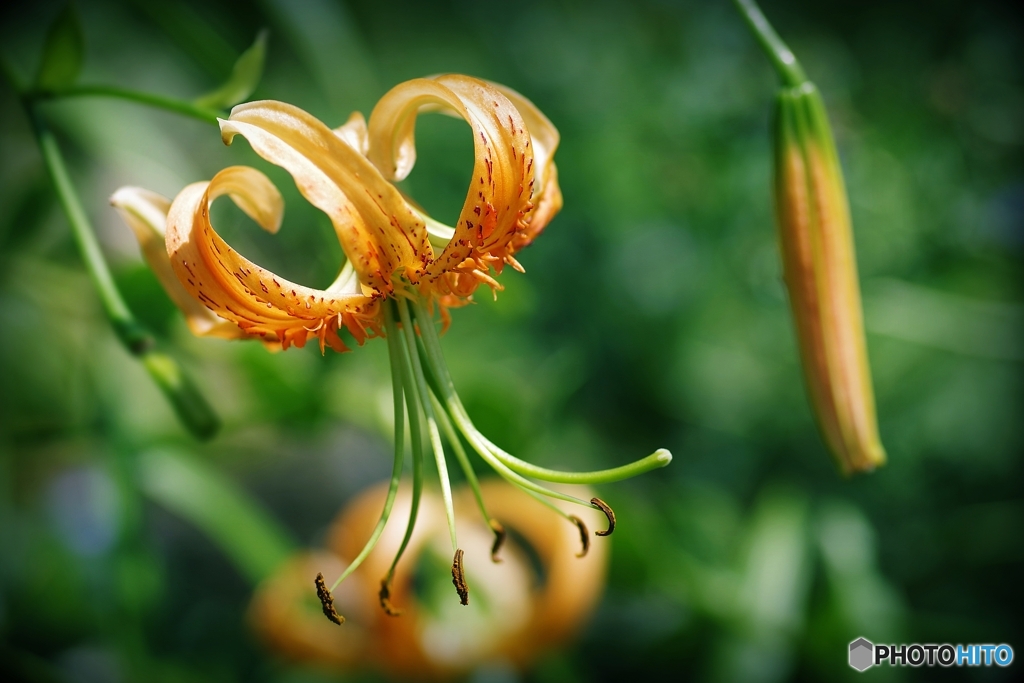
<point>584,535</point>
<point>499,539</point>
<point>327,600</point>
<point>459,578</point>
<point>385,598</point>
<point>608,512</point>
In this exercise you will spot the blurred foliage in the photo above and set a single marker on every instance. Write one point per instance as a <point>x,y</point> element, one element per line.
<point>651,314</point>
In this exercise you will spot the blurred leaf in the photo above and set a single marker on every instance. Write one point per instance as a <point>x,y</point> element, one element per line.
<point>863,599</point>
<point>245,76</point>
<point>192,33</point>
<point>324,37</point>
<point>959,324</point>
<point>237,523</point>
<point>63,52</point>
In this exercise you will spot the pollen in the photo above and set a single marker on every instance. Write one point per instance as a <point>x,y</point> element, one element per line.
<point>459,578</point>
<point>327,600</point>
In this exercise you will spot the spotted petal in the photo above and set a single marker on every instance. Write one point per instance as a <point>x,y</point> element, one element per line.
<point>498,201</point>
<point>547,196</point>
<point>145,213</point>
<point>379,232</point>
<point>258,301</point>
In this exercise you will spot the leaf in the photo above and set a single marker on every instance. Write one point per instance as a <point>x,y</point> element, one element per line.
<point>242,528</point>
<point>63,52</point>
<point>245,76</point>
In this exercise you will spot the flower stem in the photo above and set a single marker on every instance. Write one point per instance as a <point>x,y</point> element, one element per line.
<point>190,405</point>
<point>148,99</point>
<point>782,58</point>
<point>395,356</point>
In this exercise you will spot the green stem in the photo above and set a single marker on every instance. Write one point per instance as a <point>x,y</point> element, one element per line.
<point>148,99</point>
<point>428,411</point>
<point>184,396</point>
<point>782,58</point>
<point>395,356</point>
<point>128,330</point>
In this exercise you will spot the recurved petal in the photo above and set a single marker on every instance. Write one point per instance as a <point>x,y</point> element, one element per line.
<point>498,200</point>
<point>378,231</point>
<point>258,301</point>
<point>145,212</point>
<point>547,196</point>
<point>253,193</point>
<point>546,205</point>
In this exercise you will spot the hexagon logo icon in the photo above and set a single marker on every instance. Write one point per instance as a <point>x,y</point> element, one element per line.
<point>862,654</point>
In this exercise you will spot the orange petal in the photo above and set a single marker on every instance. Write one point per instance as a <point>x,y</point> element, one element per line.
<point>145,213</point>
<point>379,233</point>
<point>547,196</point>
<point>258,301</point>
<point>498,199</point>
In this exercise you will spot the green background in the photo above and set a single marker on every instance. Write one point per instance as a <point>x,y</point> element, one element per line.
<point>652,314</point>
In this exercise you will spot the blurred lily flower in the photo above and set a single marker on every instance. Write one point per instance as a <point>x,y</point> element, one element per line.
<point>402,267</point>
<point>818,259</point>
<point>533,601</point>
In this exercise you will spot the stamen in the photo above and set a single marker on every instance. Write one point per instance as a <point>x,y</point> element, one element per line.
<point>584,534</point>
<point>514,263</point>
<point>415,428</point>
<point>434,434</point>
<point>499,540</point>
<point>327,600</point>
<point>395,355</point>
<point>608,512</point>
<point>445,422</point>
<point>459,578</point>
<point>508,467</point>
<point>385,598</point>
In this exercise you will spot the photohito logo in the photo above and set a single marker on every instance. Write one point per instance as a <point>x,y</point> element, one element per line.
<point>864,654</point>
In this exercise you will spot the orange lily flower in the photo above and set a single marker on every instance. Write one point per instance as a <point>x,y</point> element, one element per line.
<point>401,264</point>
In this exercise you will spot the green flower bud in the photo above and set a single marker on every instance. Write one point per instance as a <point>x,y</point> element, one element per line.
<point>820,270</point>
<point>819,263</point>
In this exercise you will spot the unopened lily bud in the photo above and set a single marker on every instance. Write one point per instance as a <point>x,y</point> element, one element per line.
<point>820,270</point>
<point>819,264</point>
